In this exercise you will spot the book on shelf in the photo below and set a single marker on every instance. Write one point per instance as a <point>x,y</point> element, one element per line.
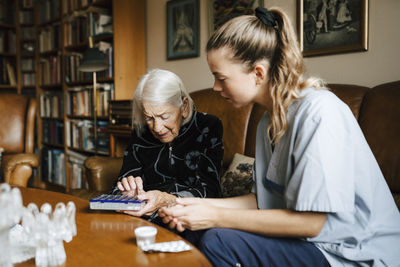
<point>80,135</point>
<point>7,41</point>
<point>76,30</point>
<point>28,79</point>
<point>51,105</point>
<point>50,67</point>
<point>76,170</point>
<point>49,10</point>
<point>7,12</point>
<point>2,38</point>
<point>79,100</point>
<point>11,74</point>
<point>53,132</point>
<point>26,16</point>
<point>27,33</point>
<point>103,139</point>
<point>27,64</point>
<point>53,166</point>
<point>49,38</point>
<point>27,3</point>
<point>100,21</point>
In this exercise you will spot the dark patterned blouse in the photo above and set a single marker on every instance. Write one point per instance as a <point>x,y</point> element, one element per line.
<point>189,166</point>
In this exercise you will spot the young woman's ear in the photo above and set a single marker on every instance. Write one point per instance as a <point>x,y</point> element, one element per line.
<point>260,73</point>
<point>185,107</point>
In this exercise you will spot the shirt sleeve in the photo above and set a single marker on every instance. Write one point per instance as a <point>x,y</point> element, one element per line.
<point>323,177</point>
<point>130,164</point>
<point>207,183</point>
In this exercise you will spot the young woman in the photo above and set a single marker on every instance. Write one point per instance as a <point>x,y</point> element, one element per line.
<point>319,198</point>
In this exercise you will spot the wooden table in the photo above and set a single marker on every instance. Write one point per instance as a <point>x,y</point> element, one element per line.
<point>106,238</point>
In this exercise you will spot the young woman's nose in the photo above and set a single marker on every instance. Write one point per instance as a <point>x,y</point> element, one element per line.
<point>217,87</point>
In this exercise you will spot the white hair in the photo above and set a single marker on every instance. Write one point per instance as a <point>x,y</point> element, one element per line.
<point>159,87</point>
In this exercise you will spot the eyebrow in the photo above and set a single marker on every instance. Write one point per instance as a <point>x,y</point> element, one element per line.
<point>157,115</point>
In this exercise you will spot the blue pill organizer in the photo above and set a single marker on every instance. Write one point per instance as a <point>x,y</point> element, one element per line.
<point>116,202</point>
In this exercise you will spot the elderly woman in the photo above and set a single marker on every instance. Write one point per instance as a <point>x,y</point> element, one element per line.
<point>174,150</point>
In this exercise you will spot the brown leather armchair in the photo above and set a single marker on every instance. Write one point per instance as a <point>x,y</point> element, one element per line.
<point>376,109</point>
<point>17,126</point>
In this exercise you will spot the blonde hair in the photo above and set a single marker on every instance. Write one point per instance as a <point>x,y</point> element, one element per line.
<point>252,42</point>
<point>159,87</point>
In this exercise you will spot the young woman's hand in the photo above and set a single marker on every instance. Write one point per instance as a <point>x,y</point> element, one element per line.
<point>189,213</point>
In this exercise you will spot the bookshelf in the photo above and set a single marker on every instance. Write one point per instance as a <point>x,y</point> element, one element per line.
<point>65,95</point>
<point>26,48</point>
<point>8,44</point>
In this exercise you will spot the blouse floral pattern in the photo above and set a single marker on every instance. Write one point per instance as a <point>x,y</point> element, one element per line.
<point>189,166</point>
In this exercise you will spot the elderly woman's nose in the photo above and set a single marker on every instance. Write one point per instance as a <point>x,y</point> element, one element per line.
<point>158,125</point>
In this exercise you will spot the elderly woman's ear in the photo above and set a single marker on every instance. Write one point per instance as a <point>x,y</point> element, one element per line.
<point>185,107</point>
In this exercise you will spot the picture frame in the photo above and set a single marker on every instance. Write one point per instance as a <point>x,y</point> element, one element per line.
<point>220,11</point>
<point>182,29</point>
<point>332,26</point>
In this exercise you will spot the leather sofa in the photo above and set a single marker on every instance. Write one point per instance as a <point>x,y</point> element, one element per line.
<point>17,138</point>
<point>377,110</point>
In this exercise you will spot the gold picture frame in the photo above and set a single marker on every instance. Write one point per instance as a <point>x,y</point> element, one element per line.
<point>332,26</point>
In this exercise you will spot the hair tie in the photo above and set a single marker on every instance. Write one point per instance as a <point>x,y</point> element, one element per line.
<point>266,17</point>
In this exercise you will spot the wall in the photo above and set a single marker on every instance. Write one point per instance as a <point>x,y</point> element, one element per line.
<point>377,65</point>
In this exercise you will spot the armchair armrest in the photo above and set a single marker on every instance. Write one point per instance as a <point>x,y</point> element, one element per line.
<point>101,172</point>
<point>17,168</point>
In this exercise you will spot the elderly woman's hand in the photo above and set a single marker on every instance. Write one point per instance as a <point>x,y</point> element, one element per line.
<point>155,199</point>
<point>131,186</point>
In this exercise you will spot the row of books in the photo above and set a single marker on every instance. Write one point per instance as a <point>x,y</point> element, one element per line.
<point>51,105</point>
<point>26,16</point>
<point>7,41</point>
<point>27,3</point>
<point>53,132</point>
<point>27,64</point>
<point>28,79</point>
<point>49,38</point>
<point>76,31</point>
<point>50,68</point>
<point>27,33</point>
<point>53,166</point>
<point>7,12</point>
<point>49,10</point>
<point>73,60</point>
<point>79,100</point>
<point>68,6</point>
<point>79,135</point>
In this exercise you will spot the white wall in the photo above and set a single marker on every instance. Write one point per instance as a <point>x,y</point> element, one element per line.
<point>381,63</point>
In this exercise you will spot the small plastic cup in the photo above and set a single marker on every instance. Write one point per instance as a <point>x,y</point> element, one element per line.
<point>145,235</point>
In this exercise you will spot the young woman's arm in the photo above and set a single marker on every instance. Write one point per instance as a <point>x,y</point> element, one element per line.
<point>239,213</point>
<point>240,202</point>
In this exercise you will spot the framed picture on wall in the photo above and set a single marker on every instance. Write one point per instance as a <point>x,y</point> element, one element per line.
<point>182,29</point>
<point>220,11</point>
<point>332,26</point>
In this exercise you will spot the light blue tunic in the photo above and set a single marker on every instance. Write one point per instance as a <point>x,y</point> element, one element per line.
<point>324,164</point>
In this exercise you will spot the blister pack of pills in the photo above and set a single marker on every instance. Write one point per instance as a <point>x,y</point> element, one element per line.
<point>116,202</point>
<point>172,246</point>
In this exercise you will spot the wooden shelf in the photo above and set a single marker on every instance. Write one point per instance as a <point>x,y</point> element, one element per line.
<point>128,66</point>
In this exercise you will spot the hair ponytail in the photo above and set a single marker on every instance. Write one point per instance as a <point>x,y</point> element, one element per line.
<point>268,36</point>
